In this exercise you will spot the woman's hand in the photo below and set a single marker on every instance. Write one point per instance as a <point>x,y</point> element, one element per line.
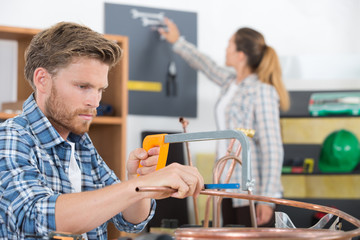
<point>263,214</point>
<point>172,33</point>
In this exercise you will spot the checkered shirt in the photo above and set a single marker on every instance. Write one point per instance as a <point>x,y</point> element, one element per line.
<point>34,164</point>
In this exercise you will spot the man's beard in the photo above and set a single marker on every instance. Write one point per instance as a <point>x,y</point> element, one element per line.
<point>61,117</point>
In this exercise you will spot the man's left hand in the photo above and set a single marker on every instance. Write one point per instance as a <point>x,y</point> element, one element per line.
<point>147,159</point>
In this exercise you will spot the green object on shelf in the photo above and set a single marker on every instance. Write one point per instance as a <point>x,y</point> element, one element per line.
<point>286,169</point>
<point>340,152</point>
<point>334,103</point>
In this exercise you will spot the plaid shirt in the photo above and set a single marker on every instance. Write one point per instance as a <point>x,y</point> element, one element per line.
<point>34,165</point>
<point>255,105</point>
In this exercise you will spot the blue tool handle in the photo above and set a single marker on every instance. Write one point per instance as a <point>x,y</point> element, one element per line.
<point>222,186</point>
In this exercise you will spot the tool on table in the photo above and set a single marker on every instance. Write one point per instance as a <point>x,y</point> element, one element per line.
<point>163,141</point>
<point>171,88</point>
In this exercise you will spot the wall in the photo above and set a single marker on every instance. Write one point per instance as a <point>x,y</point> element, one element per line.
<point>318,43</point>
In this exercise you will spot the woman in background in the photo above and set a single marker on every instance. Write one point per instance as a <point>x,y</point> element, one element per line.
<point>251,97</point>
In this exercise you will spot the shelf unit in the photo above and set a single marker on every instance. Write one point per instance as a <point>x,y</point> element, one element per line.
<point>107,133</point>
<point>303,136</point>
<point>306,132</point>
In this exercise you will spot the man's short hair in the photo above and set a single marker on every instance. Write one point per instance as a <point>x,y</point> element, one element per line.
<point>56,47</point>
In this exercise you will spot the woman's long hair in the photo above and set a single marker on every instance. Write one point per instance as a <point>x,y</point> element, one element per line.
<point>263,61</point>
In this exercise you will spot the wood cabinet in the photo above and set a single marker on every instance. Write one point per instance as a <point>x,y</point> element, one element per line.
<point>107,133</point>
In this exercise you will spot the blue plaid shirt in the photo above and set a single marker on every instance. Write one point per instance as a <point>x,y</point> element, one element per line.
<point>34,165</point>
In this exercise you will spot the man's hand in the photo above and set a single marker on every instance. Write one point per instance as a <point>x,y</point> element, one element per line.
<point>186,180</point>
<point>263,214</point>
<point>148,160</point>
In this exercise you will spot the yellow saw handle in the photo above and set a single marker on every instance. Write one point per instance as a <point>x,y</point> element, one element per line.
<point>151,141</point>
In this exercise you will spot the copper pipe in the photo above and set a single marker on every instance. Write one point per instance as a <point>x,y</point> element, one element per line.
<point>260,233</point>
<point>184,123</point>
<point>292,203</point>
<point>221,169</point>
<point>156,189</point>
<point>218,200</point>
<point>272,233</point>
<point>228,152</point>
<point>252,211</point>
<point>207,211</point>
<point>216,176</point>
<point>248,132</point>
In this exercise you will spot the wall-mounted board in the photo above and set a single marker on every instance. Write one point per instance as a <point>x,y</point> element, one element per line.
<point>152,89</point>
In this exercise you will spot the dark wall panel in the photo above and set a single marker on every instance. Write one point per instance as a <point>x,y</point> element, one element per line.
<point>150,58</point>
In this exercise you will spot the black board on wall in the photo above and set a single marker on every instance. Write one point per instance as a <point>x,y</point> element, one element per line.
<point>150,58</point>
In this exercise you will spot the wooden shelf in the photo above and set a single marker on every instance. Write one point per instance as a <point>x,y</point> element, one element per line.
<point>326,186</point>
<point>16,33</point>
<point>108,120</point>
<point>314,130</point>
<point>97,120</point>
<point>7,115</point>
<point>303,132</point>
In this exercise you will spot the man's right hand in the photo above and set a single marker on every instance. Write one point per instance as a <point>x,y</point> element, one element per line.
<point>185,179</point>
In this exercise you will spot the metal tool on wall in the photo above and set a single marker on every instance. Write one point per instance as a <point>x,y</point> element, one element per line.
<point>152,20</point>
<point>147,18</point>
<point>171,86</point>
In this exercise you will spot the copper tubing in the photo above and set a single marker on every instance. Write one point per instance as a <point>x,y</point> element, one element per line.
<point>184,124</point>
<point>252,211</point>
<point>219,171</point>
<point>228,152</point>
<point>217,174</point>
<point>207,212</point>
<point>248,132</point>
<point>261,233</point>
<point>281,201</point>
